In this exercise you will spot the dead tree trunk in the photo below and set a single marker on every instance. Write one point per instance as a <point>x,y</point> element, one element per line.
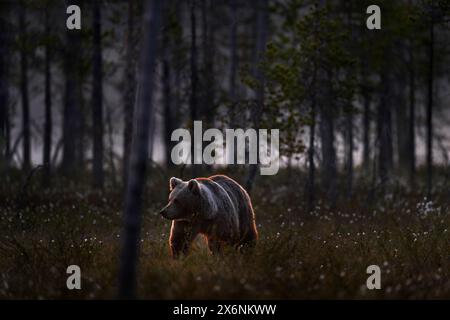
<point>139,153</point>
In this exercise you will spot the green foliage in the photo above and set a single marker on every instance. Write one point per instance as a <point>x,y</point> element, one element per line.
<point>305,50</point>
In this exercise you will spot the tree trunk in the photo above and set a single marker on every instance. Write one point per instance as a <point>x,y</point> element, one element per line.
<point>401,123</point>
<point>4,85</point>
<point>69,126</point>
<point>194,81</point>
<point>311,183</point>
<point>166,84</point>
<point>365,118</point>
<point>234,61</point>
<point>178,65</point>
<point>130,88</point>
<point>81,121</point>
<point>311,188</point>
<point>349,156</point>
<point>384,131</point>
<point>48,125</point>
<point>72,107</point>
<point>429,117</point>
<point>112,164</point>
<point>208,107</point>
<point>262,20</point>
<point>327,110</point>
<point>139,153</point>
<point>349,121</point>
<point>328,150</point>
<point>26,145</point>
<point>8,153</point>
<point>97,98</point>
<point>412,118</point>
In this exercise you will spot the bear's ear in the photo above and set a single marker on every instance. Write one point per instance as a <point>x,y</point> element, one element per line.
<point>173,182</point>
<point>194,187</point>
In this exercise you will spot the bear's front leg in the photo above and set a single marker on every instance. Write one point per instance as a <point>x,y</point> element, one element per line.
<point>181,236</point>
<point>215,246</point>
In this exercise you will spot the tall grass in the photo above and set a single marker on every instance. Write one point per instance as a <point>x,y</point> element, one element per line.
<point>321,254</point>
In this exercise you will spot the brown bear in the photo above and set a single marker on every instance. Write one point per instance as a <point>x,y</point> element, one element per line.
<point>217,207</point>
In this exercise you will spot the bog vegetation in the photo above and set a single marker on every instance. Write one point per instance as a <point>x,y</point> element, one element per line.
<point>364,145</point>
<point>319,254</point>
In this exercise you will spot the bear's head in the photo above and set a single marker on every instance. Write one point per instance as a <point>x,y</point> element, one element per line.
<point>184,199</point>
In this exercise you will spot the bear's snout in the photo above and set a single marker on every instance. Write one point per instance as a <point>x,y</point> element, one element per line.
<point>167,212</point>
<point>163,212</point>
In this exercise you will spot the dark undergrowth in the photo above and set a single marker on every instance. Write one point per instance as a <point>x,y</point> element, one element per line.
<point>321,254</point>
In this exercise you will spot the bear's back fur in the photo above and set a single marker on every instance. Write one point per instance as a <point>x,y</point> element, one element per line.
<point>241,203</point>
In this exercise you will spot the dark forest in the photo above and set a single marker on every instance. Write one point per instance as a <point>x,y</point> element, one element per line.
<point>87,117</point>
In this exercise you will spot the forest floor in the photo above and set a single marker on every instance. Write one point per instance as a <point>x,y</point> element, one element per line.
<point>323,254</point>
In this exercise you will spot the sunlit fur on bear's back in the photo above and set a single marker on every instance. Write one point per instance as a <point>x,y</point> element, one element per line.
<point>217,201</point>
<point>242,203</point>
